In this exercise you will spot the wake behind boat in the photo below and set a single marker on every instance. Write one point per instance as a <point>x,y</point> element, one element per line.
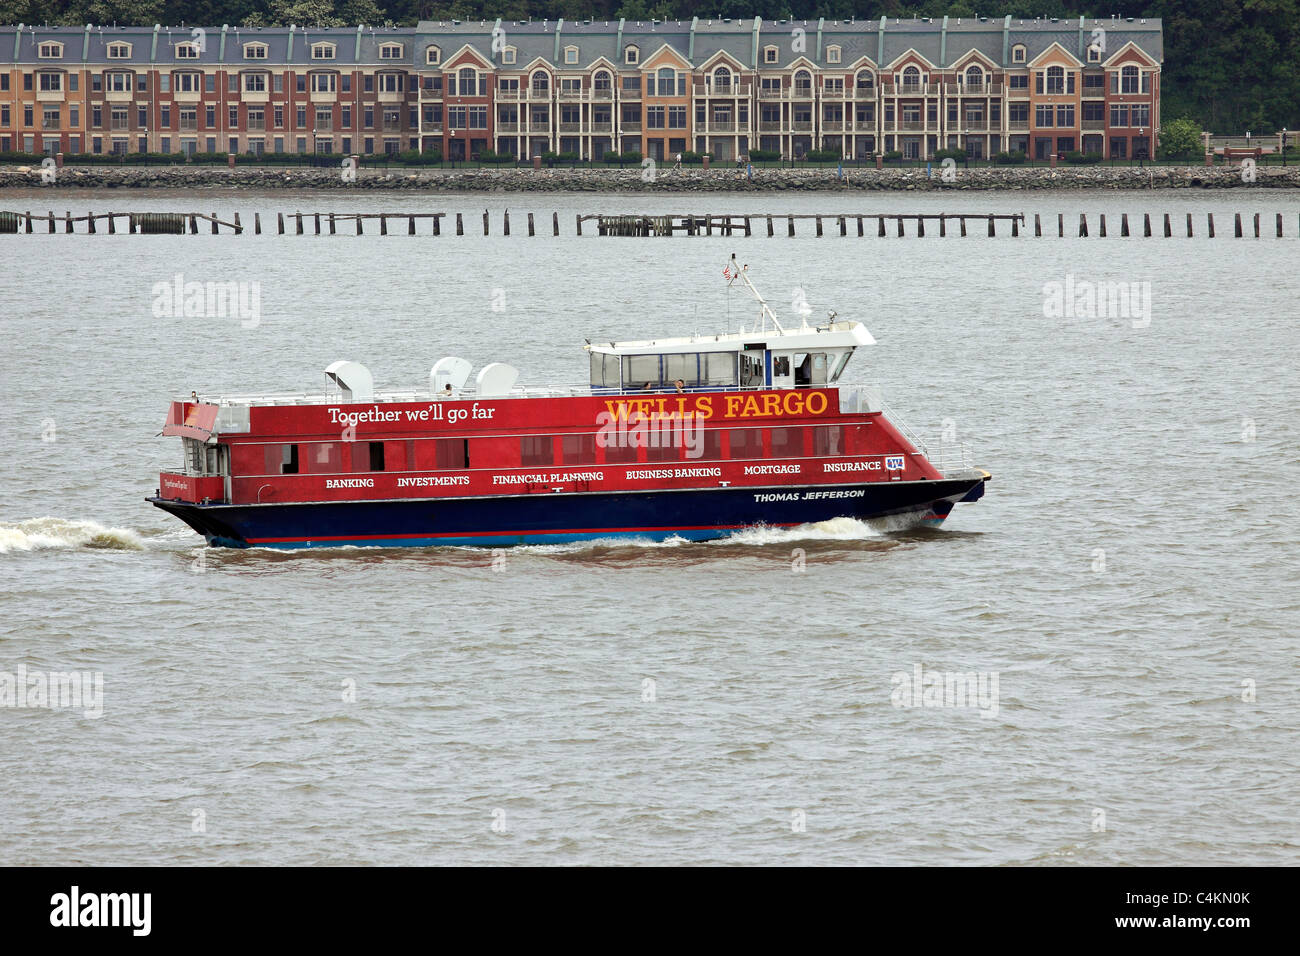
<point>694,437</point>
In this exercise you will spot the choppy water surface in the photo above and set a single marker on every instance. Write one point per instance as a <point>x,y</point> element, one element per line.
<point>1129,578</point>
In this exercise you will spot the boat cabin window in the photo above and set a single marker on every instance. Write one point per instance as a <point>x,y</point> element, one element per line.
<point>839,365</point>
<point>578,449</point>
<point>639,370</point>
<point>695,369</point>
<point>787,442</point>
<point>376,455</point>
<point>746,443</point>
<point>536,450</point>
<point>751,368</point>
<point>780,366</point>
<point>288,459</point>
<point>809,368</point>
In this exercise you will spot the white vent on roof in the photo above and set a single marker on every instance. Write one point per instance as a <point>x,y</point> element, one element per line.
<point>353,379</point>
<point>449,371</point>
<point>496,380</point>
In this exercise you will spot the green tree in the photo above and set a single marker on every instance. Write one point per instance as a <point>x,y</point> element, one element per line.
<point>1181,139</point>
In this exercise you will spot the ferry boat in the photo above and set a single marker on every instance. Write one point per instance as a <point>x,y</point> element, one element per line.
<point>694,437</point>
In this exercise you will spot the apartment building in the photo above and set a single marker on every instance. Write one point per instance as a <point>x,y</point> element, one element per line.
<point>722,87</point>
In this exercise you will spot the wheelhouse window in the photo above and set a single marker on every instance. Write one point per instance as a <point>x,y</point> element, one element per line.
<point>828,440</point>
<point>282,459</point>
<point>746,443</point>
<point>787,442</point>
<point>578,449</point>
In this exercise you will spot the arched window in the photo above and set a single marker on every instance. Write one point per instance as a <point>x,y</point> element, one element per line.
<point>974,78</point>
<point>667,80</point>
<point>911,78</point>
<point>1018,53</point>
<point>467,82</point>
<point>722,80</point>
<point>601,81</point>
<point>1129,79</point>
<point>865,80</point>
<point>631,53</point>
<point>1055,79</point>
<point>803,82</point>
<point>541,82</point>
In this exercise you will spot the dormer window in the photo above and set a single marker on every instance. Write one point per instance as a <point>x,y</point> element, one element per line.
<point>1094,54</point>
<point>187,51</point>
<point>832,54</point>
<point>509,55</point>
<point>119,51</point>
<point>254,51</point>
<point>432,56</point>
<point>570,55</point>
<point>322,51</point>
<point>770,53</point>
<point>50,51</point>
<point>390,51</point>
<point>1018,53</point>
<point>631,54</point>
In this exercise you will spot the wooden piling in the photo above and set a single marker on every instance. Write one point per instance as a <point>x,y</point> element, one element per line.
<point>1015,226</point>
<point>992,231</point>
<point>485,222</point>
<point>1189,225</point>
<point>331,223</point>
<point>297,223</point>
<point>920,227</point>
<point>555,223</point>
<point>90,222</point>
<point>194,224</point>
<point>749,233</point>
<point>1237,226</point>
<point>1123,226</point>
<point>316,221</point>
<point>819,227</point>
<point>530,225</point>
<point>1169,228</point>
<point>943,225</point>
<point>67,222</point>
<point>708,225</point>
<point>1101,226</point>
<point>1146,225</point>
<point>770,233</point>
<point>51,221</point>
<point>843,227</point>
<point>1256,225</point>
<point>239,229</point>
<point>112,223</point>
<point>1279,225</point>
<point>859,227</point>
<point>1038,226</point>
<point>383,224</point>
<point>505,223</point>
<point>789,226</point>
<point>1209,223</point>
<point>1083,225</point>
<point>215,230</point>
<point>257,223</point>
<point>460,225</point>
<point>437,225</point>
<point>279,223</point>
<point>963,227</point>
<point>1060,225</point>
<point>899,220</point>
<point>360,228</point>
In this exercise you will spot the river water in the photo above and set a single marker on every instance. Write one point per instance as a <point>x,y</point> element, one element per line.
<point>1129,580</point>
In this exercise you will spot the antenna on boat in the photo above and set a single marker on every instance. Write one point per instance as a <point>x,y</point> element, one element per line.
<point>735,271</point>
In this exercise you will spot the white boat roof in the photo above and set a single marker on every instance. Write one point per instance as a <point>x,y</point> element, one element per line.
<point>806,338</point>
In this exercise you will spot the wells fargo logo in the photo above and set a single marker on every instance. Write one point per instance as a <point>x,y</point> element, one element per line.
<point>752,405</point>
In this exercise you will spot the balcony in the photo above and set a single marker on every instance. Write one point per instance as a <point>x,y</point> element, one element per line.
<point>979,89</point>
<point>973,126</point>
<point>912,89</point>
<point>323,96</point>
<point>392,96</point>
<point>801,92</point>
<point>1018,92</point>
<point>833,126</point>
<point>436,94</point>
<point>569,96</point>
<point>906,126</point>
<point>604,93</point>
<point>627,94</point>
<point>1018,126</point>
<point>602,126</point>
<point>864,93</point>
<point>835,93</point>
<point>769,93</point>
<point>507,126</point>
<point>801,126</point>
<point>49,96</point>
<point>248,96</point>
<point>864,126</point>
<point>769,126</point>
<point>49,122</point>
<point>255,125</point>
<point>1094,124</point>
<point>119,96</point>
<point>570,127</point>
<point>539,126</point>
<point>630,126</point>
<point>189,125</point>
<point>120,124</point>
<point>391,126</point>
<point>719,126</point>
<point>1094,92</point>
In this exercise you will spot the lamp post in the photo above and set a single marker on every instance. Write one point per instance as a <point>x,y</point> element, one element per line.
<point>1283,145</point>
<point>965,147</point>
<point>1142,149</point>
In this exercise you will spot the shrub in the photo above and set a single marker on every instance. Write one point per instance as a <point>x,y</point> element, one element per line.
<point>764,155</point>
<point>490,156</point>
<point>893,156</point>
<point>823,155</point>
<point>1076,158</point>
<point>692,158</point>
<point>1009,159</point>
<point>957,155</point>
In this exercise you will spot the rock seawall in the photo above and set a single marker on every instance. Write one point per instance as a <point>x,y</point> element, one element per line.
<point>686,180</point>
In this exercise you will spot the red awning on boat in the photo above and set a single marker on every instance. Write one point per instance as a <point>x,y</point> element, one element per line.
<point>190,420</point>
